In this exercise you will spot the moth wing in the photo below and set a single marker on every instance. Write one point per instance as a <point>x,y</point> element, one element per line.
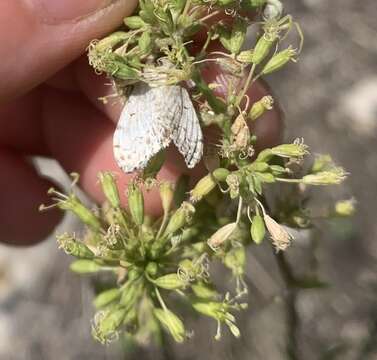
<point>187,133</point>
<point>145,125</point>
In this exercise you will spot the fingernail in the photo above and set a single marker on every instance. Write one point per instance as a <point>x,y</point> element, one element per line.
<point>55,11</point>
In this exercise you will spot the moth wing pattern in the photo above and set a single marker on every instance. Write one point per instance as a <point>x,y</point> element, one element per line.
<point>146,125</point>
<point>187,133</point>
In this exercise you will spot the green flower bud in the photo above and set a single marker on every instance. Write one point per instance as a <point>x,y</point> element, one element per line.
<point>264,155</point>
<point>260,107</point>
<point>73,247</point>
<point>85,267</point>
<point>297,149</point>
<point>334,176</point>
<point>211,308</point>
<point>345,207</point>
<point>107,297</point>
<point>167,195</point>
<point>131,294</point>
<point>110,41</point>
<point>221,235</point>
<point>262,48</point>
<point>170,282</point>
<point>152,268</point>
<point>134,22</point>
<point>180,218</point>
<point>72,203</point>
<point>136,203</point>
<point>208,183</point>
<point>245,57</point>
<point>106,324</point>
<point>145,42</point>
<point>109,188</point>
<point>204,291</point>
<point>257,229</point>
<point>172,323</point>
<point>257,166</point>
<point>279,60</point>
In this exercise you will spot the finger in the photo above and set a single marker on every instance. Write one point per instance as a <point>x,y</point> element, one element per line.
<point>21,192</point>
<point>80,138</point>
<point>21,125</point>
<point>39,37</point>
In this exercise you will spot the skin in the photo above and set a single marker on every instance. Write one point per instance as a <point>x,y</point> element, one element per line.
<point>49,107</point>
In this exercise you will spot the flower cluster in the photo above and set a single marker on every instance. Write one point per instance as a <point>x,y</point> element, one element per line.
<point>158,261</point>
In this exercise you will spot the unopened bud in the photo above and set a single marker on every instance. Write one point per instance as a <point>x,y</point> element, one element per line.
<point>134,22</point>
<point>257,229</point>
<point>279,60</point>
<point>109,188</point>
<point>180,218</point>
<point>245,57</point>
<point>334,176</point>
<point>106,324</point>
<point>136,203</point>
<point>172,323</point>
<point>221,235</point>
<point>260,107</point>
<point>85,267</point>
<point>263,47</point>
<point>107,297</point>
<point>73,247</point>
<point>167,195</point>
<point>296,149</point>
<point>170,282</point>
<point>208,183</point>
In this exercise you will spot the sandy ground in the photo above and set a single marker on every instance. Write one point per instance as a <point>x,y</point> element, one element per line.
<point>330,98</point>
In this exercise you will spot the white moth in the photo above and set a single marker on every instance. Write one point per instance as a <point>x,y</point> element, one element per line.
<point>150,120</point>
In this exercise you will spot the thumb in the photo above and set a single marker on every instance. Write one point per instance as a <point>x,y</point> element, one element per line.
<point>39,37</point>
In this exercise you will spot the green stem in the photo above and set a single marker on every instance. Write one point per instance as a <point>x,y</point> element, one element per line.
<point>248,82</point>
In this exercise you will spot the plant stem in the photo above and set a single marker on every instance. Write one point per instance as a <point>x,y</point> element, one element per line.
<point>293,321</point>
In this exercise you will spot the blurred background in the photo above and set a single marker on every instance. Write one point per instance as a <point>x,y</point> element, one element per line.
<point>329,98</point>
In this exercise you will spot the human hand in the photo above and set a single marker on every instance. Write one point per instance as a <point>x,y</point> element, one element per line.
<point>49,107</point>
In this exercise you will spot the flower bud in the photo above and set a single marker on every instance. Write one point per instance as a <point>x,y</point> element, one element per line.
<point>73,247</point>
<point>172,323</point>
<point>109,188</point>
<point>221,235</point>
<point>106,324</point>
<point>180,218</point>
<point>167,195</point>
<point>279,60</point>
<point>334,176</point>
<point>345,207</point>
<point>204,291</point>
<point>260,107</point>
<point>207,184</point>
<point>296,149</point>
<point>72,203</point>
<point>109,41</point>
<point>136,203</point>
<point>134,22</point>
<point>85,267</point>
<point>107,297</point>
<point>281,238</point>
<point>170,282</point>
<point>263,47</point>
<point>145,42</point>
<point>245,56</point>
<point>257,229</point>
